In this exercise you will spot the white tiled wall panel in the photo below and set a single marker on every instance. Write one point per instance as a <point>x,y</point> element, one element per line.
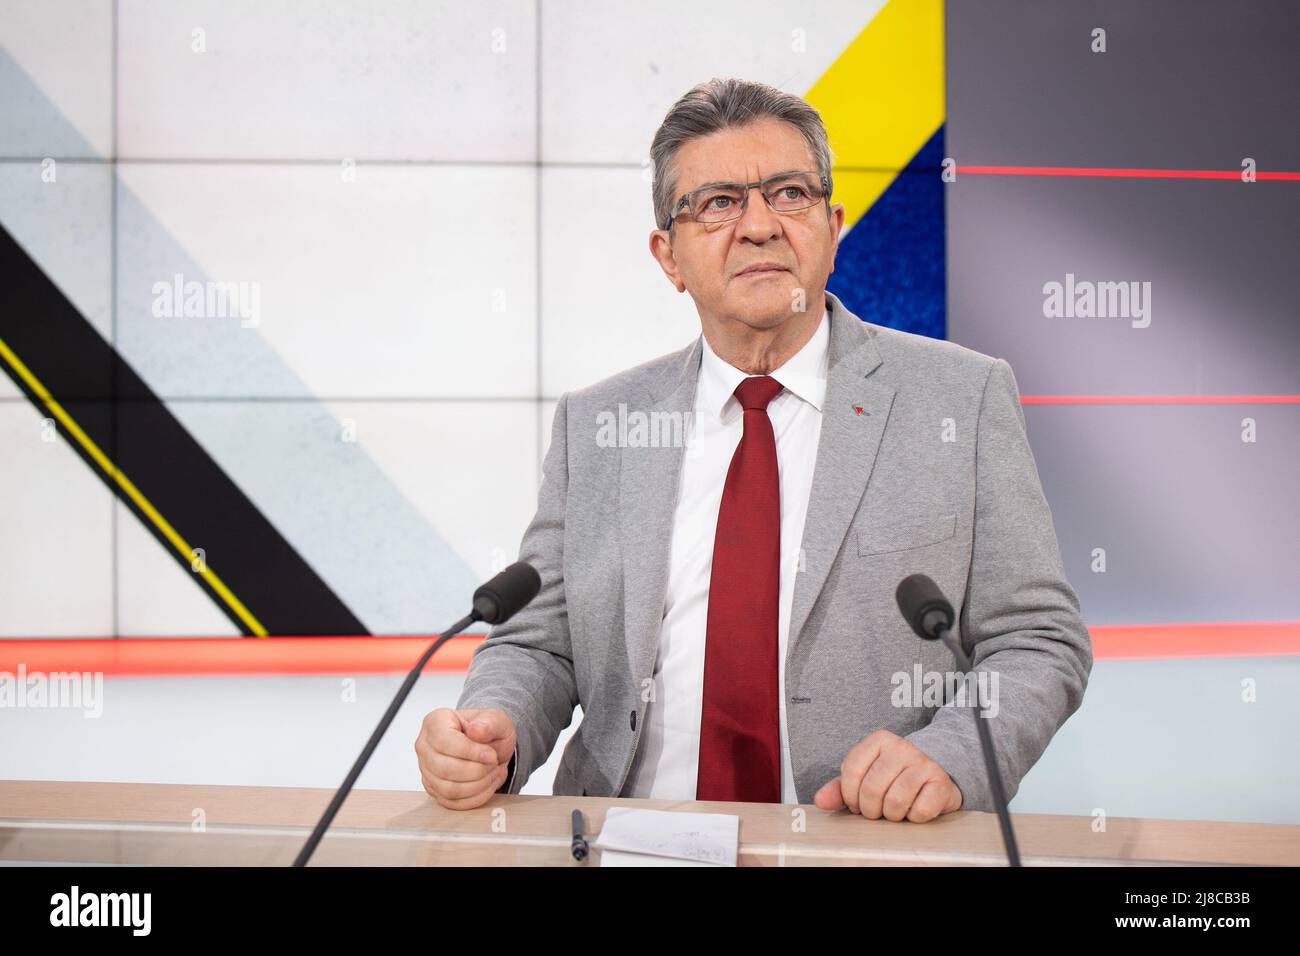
<point>606,304</point>
<point>312,79</point>
<point>610,71</point>
<point>411,281</point>
<point>156,596</point>
<point>56,78</point>
<point>61,216</point>
<point>56,545</point>
<point>467,468</point>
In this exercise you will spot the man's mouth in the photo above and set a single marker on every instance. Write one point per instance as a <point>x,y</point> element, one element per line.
<point>765,268</point>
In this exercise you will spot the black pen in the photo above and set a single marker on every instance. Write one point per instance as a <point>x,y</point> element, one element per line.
<point>579,845</point>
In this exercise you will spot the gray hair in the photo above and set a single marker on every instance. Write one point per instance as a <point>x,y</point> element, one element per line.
<point>717,105</point>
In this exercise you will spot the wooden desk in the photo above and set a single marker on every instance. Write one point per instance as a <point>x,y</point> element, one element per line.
<point>50,821</point>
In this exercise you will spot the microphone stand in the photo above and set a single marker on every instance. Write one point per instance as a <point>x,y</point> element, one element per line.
<point>986,745</point>
<point>328,816</point>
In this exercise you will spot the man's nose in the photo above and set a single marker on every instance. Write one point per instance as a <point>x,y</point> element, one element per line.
<point>758,221</point>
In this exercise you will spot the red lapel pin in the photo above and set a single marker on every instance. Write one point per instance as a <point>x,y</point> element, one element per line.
<point>858,409</point>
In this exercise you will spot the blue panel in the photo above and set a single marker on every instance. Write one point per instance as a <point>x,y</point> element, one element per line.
<point>891,265</point>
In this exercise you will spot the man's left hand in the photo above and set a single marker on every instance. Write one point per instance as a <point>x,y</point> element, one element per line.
<point>887,775</point>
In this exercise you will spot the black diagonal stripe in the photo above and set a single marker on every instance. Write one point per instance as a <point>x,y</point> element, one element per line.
<point>135,430</point>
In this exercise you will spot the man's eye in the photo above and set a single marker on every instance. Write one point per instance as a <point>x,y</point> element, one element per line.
<point>720,202</point>
<point>794,192</point>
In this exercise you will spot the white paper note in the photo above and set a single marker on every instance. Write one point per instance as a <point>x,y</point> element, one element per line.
<point>670,837</point>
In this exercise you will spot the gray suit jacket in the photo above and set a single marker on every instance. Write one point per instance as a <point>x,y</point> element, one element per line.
<point>923,465</point>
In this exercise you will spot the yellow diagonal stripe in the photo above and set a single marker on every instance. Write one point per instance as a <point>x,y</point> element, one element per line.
<point>127,486</point>
<point>882,98</point>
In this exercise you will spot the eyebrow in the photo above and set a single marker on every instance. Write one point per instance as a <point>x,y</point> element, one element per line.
<point>734,182</point>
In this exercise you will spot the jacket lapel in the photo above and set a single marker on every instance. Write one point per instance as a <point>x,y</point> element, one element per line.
<point>648,481</point>
<point>846,453</point>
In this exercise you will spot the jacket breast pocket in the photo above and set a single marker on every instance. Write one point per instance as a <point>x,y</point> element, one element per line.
<point>903,534</point>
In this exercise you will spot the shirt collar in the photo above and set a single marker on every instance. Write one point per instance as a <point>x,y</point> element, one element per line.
<point>803,373</point>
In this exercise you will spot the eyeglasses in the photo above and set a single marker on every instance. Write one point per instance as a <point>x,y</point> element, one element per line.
<point>723,202</point>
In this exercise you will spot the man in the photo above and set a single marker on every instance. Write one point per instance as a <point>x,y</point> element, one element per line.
<point>724,612</point>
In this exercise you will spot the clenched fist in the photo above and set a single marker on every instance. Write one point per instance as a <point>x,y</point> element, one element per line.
<point>464,755</point>
<point>887,775</point>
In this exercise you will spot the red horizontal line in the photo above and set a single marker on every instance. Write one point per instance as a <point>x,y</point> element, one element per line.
<point>151,656</point>
<point>384,655</point>
<point>1160,399</point>
<point>1120,172</point>
<point>1195,639</point>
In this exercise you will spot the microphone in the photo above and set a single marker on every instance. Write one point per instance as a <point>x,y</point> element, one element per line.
<point>930,615</point>
<point>924,607</point>
<point>495,603</point>
<point>502,597</point>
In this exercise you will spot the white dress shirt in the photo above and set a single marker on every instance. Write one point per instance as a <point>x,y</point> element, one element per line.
<point>667,757</point>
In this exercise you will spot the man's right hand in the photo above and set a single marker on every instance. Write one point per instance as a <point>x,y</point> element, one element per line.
<point>464,755</point>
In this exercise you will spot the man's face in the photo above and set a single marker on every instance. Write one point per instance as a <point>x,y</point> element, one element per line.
<point>708,260</point>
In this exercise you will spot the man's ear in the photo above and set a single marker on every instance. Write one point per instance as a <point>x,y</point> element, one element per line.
<point>836,215</point>
<point>661,247</point>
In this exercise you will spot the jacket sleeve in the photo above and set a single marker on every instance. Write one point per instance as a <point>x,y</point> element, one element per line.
<point>1020,619</point>
<point>525,666</point>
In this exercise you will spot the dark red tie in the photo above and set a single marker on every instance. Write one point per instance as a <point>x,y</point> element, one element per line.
<point>740,736</point>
